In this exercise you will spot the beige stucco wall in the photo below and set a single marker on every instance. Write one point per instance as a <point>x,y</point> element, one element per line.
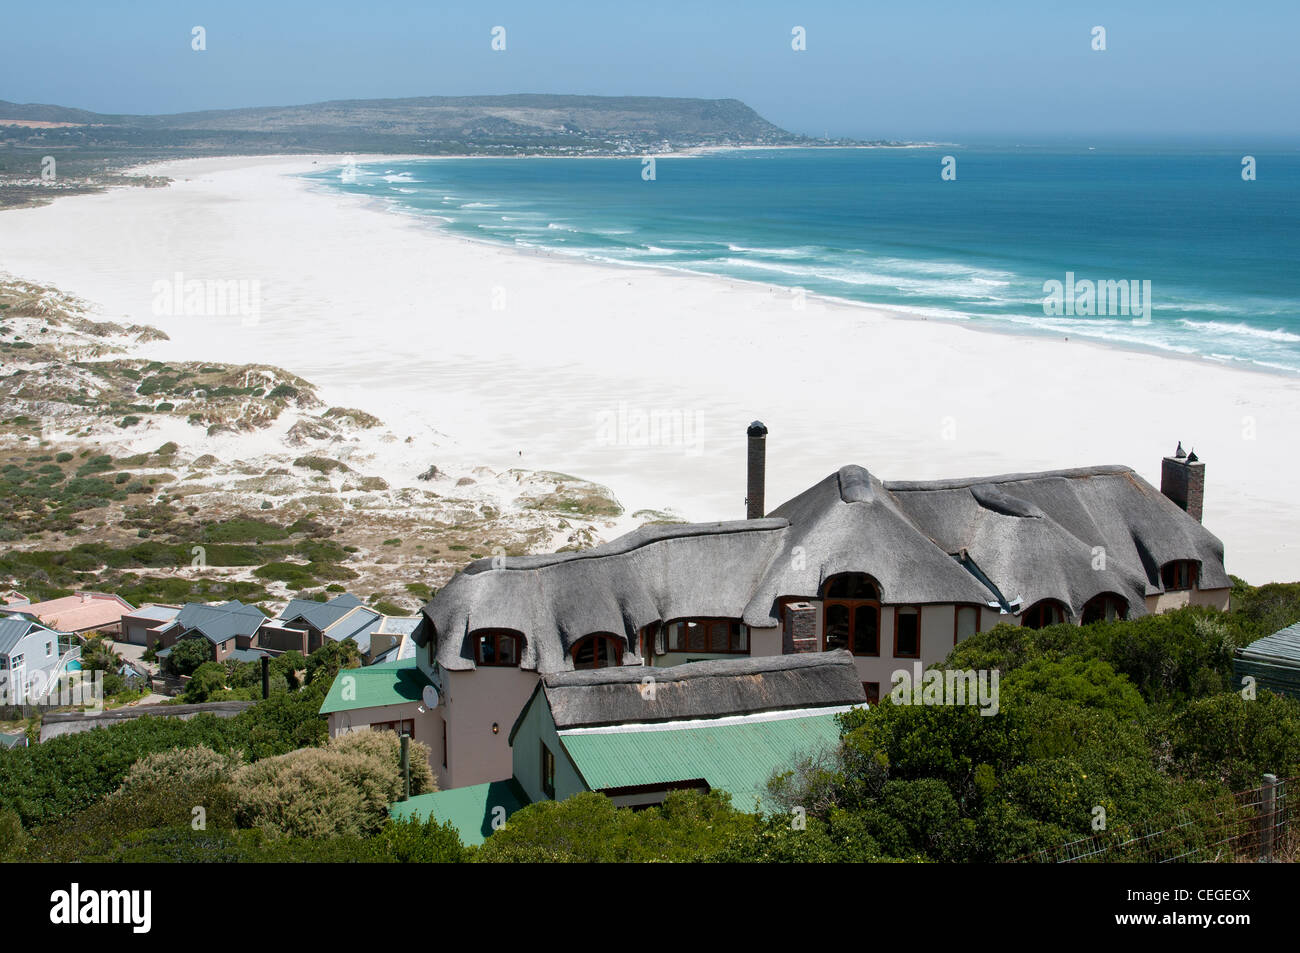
<point>428,726</point>
<point>1165,601</point>
<point>472,701</point>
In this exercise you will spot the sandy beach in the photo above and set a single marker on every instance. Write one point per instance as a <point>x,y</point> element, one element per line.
<point>645,380</point>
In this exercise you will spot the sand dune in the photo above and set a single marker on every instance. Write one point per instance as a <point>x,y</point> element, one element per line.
<point>505,358</point>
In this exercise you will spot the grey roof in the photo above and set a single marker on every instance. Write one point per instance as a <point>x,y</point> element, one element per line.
<point>399,624</point>
<point>13,741</point>
<point>246,655</point>
<point>159,613</point>
<point>319,614</point>
<point>652,573</point>
<point>1282,646</point>
<point>222,622</point>
<point>710,689</point>
<point>13,630</point>
<point>984,540</point>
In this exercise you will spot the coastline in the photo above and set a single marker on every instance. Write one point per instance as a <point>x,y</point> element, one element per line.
<point>388,205</point>
<point>549,380</point>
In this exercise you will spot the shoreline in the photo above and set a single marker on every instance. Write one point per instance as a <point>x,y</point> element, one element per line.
<point>384,313</point>
<point>389,205</point>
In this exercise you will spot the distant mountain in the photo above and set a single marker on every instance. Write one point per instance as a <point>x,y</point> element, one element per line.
<point>434,124</point>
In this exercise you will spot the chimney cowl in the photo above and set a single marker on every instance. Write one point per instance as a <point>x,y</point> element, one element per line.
<point>757,429</point>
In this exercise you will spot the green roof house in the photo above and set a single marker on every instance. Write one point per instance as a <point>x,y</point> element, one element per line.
<point>385,697</point>
<point>636,733</point>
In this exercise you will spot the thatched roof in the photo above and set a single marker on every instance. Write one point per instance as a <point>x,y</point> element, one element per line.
<point>985,541</point>
<point>712,689</point>
<point>653,573</point>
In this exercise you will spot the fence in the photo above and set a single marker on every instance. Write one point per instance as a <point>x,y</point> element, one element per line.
<point>1252,825</point>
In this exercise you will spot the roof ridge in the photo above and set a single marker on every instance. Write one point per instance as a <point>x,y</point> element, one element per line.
<point>630,542</point>
<point>967,482</point>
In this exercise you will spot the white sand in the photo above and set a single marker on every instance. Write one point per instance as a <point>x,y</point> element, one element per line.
<point>390,315</point>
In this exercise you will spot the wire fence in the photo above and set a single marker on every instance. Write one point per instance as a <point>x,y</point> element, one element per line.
<point>1253,825</point>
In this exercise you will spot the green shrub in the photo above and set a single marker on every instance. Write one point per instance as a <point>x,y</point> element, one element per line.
<point>340,790</point>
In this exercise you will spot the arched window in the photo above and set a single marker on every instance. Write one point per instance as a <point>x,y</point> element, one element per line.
<point>498,647</point>
<point>597,651</point>
<point>1105,606</point>
<point>718,636</point>
<point>851,585</point>
<point>1044,612</point>
<point>851,614</point>
<point>1179,574</point>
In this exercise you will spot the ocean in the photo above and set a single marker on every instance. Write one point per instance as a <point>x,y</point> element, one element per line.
<point>1218,255</point>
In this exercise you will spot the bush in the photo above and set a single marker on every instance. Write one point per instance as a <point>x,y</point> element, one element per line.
<point>1229,740</point>
<point>588,828</point>
<point>56,778</point>
<point>188,654</point>
<point>181,767</point>
<point>208,680</point>
<point>343,789</point>
<point>413,841</point>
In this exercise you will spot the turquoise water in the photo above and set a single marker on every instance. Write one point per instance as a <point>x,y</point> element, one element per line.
<point>881,227</point>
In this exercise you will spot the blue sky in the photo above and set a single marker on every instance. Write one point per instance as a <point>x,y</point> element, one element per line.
<point>935,69</point>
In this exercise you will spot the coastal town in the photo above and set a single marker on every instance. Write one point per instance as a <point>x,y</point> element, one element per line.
<point>770,442</point>
<point>718,659</point>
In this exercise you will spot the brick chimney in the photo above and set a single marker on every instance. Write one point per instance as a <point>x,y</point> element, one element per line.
<point>799,628</point>
<point>757,470</point>
<point>1182,479</point>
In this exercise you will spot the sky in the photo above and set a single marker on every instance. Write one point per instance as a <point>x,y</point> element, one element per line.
<point>919,69</point>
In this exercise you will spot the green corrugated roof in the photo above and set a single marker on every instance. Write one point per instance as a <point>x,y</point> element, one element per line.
<point>470,810</point>
<point>737,757</point>
<point>389,683</point>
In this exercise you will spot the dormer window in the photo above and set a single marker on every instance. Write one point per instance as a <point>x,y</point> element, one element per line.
<point>497,647</point>
<point>597,651</point>
<point>720,636</point>
<point>1104,607</point>
<point>1043,613</point>
<point>1179,575</point>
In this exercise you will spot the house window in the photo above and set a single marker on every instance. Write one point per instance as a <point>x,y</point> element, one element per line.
<point>444,743</point>
<point>1044,612</point>
<point>497,647</point>
<point>548,772</point>
<point>16,660</point>
<point>966,623</point>
<point>405,727</point>
<point>907,632</point>
<point>597,651</point>
<point>722,636</point>
<point>649,642</point>
<point>1179,575</point>
<point>873,692</point>
<point>851,614</point>
<point>1105,606</point>
<point>49,649</point>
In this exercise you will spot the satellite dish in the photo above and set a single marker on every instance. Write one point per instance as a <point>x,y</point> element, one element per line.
<point>430,696</point>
